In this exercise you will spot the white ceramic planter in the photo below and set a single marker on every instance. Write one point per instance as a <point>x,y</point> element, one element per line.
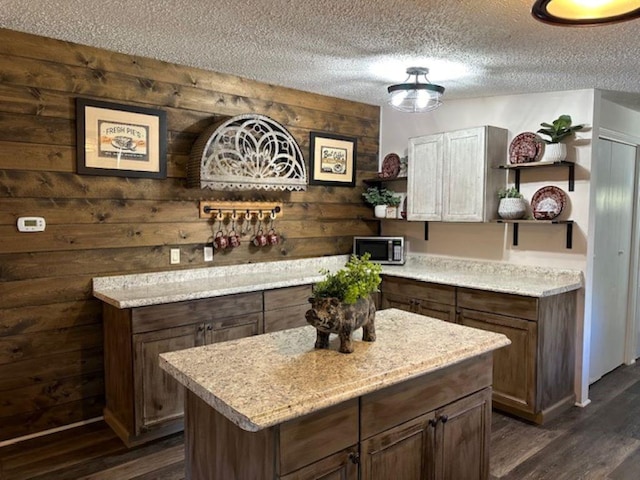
<point>512,208</point>
<point>554,152</point>
<point>380,211</point>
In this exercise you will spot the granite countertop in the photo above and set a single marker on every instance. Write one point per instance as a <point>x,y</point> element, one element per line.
<point>261,381</point>
<point>128,291</point>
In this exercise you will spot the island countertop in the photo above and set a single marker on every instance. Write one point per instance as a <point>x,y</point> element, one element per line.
<point>136,290</point>
<point>261,381</point>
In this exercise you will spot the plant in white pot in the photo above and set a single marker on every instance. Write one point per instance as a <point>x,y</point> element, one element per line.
<point>380,198</point>
<point>512,206</point>
<point>557,131</point>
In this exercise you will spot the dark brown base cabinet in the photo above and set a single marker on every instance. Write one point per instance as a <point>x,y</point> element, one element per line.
<point>430,299</point>
<point>144,403</point>
<point>434,427</point>
<point>533,378</point>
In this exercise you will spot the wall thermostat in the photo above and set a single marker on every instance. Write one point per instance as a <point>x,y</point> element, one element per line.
<point>31,224</point>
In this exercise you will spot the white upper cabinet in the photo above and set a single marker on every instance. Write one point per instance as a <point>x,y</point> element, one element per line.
<point>452,176</point>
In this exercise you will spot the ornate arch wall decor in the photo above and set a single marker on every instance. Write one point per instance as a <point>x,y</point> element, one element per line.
<point>247,152</point>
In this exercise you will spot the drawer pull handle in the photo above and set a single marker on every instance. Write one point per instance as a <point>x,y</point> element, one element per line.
<point>444,418</point>
<point>354,457</point>
<point>433,422</point>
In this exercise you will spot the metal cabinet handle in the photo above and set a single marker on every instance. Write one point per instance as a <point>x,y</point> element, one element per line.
<point>209,327</point>
<point>444,418</point>
<point>354,457</point>
<point>433,422</point>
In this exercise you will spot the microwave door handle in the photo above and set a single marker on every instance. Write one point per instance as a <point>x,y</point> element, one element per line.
<point>390,250</point>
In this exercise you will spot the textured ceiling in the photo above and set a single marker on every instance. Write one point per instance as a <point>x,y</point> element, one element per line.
<point>353,49</point>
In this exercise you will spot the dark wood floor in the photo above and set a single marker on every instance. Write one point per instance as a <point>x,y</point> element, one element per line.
<point>600,442</point>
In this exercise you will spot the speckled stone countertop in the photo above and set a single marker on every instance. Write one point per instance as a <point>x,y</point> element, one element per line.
<point>524,280</point>
<point>128,291</point>
<point>261,381</point>
<point>137,290</point>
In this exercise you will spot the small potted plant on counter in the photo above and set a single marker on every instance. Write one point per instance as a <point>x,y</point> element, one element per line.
<point>380,198</point>
<point>342,303</point>
<point>512,206</point>
<point>558,130</point>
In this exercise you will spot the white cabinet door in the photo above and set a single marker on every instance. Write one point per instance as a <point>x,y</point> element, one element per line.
<point>464,174</point>
<point>452,177</point>
<point>424,187</point>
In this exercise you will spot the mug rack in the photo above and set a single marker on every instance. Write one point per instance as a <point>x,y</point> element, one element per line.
<point>212,209</point>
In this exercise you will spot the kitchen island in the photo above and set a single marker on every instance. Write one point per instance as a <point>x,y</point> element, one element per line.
<point>418,400</point>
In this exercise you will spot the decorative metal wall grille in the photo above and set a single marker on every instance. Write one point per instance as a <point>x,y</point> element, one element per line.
<point>247,152</point>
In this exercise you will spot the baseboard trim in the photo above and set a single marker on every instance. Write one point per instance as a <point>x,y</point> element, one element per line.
<point>12,441</point>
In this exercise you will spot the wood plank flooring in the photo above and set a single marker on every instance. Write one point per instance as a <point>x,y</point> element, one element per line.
<point>600,442</point>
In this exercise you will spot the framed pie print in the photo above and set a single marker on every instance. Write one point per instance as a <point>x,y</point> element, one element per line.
<point>332,160</point>
<point>120,140</point>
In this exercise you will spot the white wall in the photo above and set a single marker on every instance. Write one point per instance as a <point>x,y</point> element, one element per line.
<point>538,244</point>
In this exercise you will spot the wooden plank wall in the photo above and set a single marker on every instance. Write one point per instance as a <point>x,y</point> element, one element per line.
<point>51,370</point>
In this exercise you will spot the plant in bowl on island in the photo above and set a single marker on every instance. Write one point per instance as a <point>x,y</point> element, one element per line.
<point>512,205</point>
<point>342,303</point>
<point>560,129</point>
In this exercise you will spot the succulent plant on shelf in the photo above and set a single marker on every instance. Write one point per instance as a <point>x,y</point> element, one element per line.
<point>511,192</point>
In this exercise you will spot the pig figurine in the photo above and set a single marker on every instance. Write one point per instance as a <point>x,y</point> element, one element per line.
<point>330,315</point>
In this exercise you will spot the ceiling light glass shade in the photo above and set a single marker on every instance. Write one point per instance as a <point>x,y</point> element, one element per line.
<point>585,12</point>
<point>415,97</point>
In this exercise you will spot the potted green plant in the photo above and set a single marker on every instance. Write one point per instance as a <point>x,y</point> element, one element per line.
<point>512,205</point>
<point>380,198</point>
<point>342,302</point>
<point>557,131</point>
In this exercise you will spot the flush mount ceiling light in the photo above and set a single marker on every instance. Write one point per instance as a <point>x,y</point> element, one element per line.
<point>585,12</point>
<point>415,97</point>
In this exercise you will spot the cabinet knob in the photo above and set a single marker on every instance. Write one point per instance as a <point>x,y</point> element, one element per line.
<point>354,457</point>
<point>433,422</point>
<point>209,327</point>
<point>201,328</point>
<point>444,418</point>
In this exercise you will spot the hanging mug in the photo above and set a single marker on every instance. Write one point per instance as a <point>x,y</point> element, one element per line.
<point>220,241</point>
<point>233,239</point>
<point>260,239</point>
<point>272,237</point>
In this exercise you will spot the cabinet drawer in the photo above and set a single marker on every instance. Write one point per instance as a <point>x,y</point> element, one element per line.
<point>310,438</point>
<point>284,318</point>
<point>286,297</point>
<point>156,317</point>
<point>235,327</point>
<point>423,307</point>
<point>391,406</point>
<point>500,303</point>
<point>423,290</point>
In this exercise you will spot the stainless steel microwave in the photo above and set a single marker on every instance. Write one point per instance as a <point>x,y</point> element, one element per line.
<point>385,250</point>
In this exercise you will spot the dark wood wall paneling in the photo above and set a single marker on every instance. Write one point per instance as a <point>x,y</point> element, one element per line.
<point>51,371</point>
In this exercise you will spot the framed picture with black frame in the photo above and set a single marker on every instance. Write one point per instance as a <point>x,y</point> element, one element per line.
<point>120,140</point>
<point>332,160</point>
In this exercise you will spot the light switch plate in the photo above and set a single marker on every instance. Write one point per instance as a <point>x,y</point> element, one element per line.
<point>175,256</point>
<point>208,254</point>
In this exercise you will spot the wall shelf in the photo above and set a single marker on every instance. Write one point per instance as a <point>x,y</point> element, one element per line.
<point>568,223</point>
<point>379,181</point>
<point>533,165</point>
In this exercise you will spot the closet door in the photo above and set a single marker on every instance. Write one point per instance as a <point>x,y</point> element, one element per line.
<point>613,172</point>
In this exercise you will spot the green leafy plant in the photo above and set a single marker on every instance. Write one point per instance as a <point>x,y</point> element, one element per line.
<point>511,192</point>
<point>381,196</point>
<point>358,279</point>
<point>559,129</point>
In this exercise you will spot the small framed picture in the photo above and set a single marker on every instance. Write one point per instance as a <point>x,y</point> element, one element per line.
<point>120,140</point>
<point>332,160</point>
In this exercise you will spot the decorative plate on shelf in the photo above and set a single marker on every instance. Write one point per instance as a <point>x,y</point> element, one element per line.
<point>390,167</point>
<point>548,202</point>
<point>526,147</point>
